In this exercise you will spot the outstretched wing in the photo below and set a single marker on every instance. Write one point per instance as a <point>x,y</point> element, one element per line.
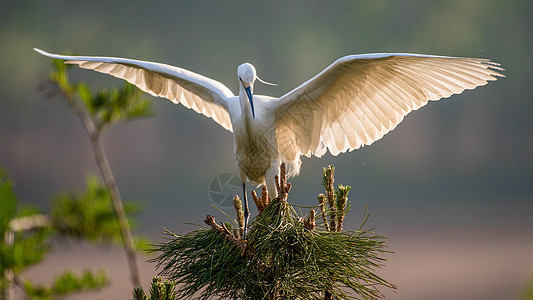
<point>204,95</point>
<point>359,98</point>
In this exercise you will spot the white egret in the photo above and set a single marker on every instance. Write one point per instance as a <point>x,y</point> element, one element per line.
<point>352,103</point>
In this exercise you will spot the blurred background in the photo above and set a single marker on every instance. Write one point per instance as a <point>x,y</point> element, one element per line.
<point>451,186</point>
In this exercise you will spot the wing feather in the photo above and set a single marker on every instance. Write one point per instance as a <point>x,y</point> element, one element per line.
<point>203,95</point>
<point>359,98</point>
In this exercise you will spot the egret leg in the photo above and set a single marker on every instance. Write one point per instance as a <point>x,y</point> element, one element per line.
<point>246,212</point>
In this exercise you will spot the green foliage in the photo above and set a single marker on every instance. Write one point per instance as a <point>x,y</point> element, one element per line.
<point>142,243</point>
<point>159,290</point>
<point>29,247</point>
<point>68,283</point>
<point>110,106</point>
<point>107,106</point>
<point>8,202</point>
<point>90,214</point>
<point>527,293</point>
<point>60,77</point>
<point>284,259</point>
<point>97,111</point>
<point>202,259</point>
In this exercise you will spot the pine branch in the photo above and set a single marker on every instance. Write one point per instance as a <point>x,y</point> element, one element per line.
<point>237,204</point>
<point>282,186</point>
<point>210,220</point>
<point>159,290</point>
<point>262,202</point>
<point>322,204</point>
<point>327,182</point>
<point>258,202</point>
<point>309,223</point>
<point>286,256</point>
<point>342,201</point>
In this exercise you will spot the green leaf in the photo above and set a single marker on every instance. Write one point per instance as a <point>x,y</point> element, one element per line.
<point>67,283</point>
<point>29,248</point>
<point>85,95</point>
<point>138,294</point>
<point>159,290</point>
<point>124,104</point>
<point>60,76</point>
<point>90,214</point>
<point>100,101</point>
<point>105,106</point>
<point>8,202</point>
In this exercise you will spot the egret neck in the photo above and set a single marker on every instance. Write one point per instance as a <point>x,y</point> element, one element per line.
<point>247,96</point>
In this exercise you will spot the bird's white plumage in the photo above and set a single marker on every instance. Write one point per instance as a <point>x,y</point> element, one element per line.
<point>359,98</point>
<point>352,103</point>
<point>202,94</point>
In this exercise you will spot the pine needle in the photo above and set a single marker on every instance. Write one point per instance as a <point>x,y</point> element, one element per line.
<point>286,256</point>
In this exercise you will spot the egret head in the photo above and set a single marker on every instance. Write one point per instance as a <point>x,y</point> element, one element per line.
<point>247,76</point>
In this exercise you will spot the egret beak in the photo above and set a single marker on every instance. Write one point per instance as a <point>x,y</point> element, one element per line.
<point>251,99</point>
<point>248,90</point>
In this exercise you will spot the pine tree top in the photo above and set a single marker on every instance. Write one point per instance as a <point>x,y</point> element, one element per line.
<point>285,256</point>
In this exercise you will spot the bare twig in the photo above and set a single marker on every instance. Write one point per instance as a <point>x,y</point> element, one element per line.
<point>118,207</point>
<point>328,296</point>
<point>322,204</point>
<point>282,186</point>
<point>210,220</point>
<point>330,193</point>
<point>16,225</point>
<point>282,176</point>
<point>258,202</point>
<point>310,223</point>
<point>30,222</point>
<point>9,274</point>
<point>265,198</point>
<point>262,202</point>
<point>103,164</point>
